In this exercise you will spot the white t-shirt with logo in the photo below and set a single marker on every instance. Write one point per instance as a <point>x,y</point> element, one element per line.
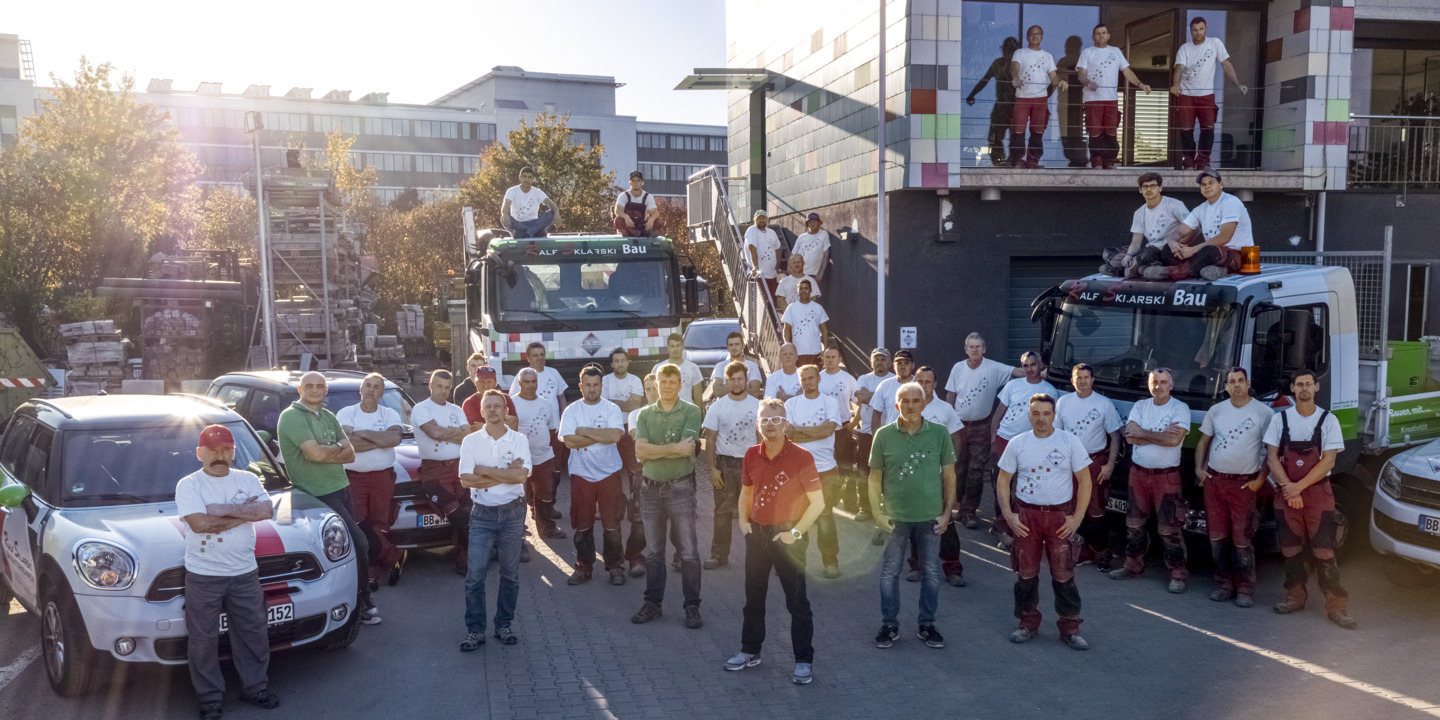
<point>1102,66</point>
<point>1035,69</point>
<point>975,388</point>
<point>481,449</point>
<point>382,419</point>
<point>805,320</point>
<point>447,416</point>
<point>766,244</point>
<point>884,400</point>
<point>940,412</point>
<point>1200,62</point>
<point>525,206</point>
<point>549,383</point>
<point>600,460</point>
<point>1090,419</point>
<point>779,380</point>
<point>752,370</point>
<point>734,424</point>
<point>223,554</point>
<point>1155,223</point>
<point>1015,398</point>
<point>630,420</point>
<point>840,386</point>
<point>1210,216</point>
<point>870,381</point>
<point>618,390</point>
<point>813,412</point>
<point>812,247</point>
<point>1044,468</point>
<point>1155,419</point>
<point>690,376</point>
<point>536,419</point>
<point>1237,444</point>
<point>1303,428</point>
<point>789,288</point>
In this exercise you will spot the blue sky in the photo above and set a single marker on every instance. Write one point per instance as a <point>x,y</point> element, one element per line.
<point>416,51</point>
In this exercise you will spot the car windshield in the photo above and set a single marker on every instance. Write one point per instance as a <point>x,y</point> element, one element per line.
<point>581,290</point>
<point>143,463</point>
<point>709,336</point>
<point>1124,344</point>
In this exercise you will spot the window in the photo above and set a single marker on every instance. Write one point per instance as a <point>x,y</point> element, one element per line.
<point>12,448</point>
<point>346,124</point>
<point>37,460</point>
<point>652,141</point>
<point>471,165</point>
<point>388,162</point>
<point>7,120</point>
<point>1285,340</point>
<point>233,396</point>
<point>688,142</point>
<point>437,129</point>
<point>438,163</point>
<point>288,122</point>
<point>653,171</point>
<point>585,138</point>
<point>511,104</point>
<point>484,131</point>
<point>717,144</point>
<point>140,461</point>
<point>387,126</point>
<point>545,291</point>
<point>232,119</point>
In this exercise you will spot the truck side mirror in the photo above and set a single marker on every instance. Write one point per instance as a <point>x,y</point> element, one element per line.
<point>1296,341</point>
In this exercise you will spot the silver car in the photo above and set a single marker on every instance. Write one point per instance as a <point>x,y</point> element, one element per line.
<point>1405,517</point>
<point>93,545</point>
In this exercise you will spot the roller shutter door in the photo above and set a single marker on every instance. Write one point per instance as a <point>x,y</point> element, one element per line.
<point>1030,276</point>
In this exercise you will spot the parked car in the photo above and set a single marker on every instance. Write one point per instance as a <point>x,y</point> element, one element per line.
<point>1405,516</point>
<point>705,342</point>
<point>93,544</point>
<point>260,396</point>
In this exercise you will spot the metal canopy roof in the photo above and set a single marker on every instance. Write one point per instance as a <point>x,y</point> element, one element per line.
<point>725,79</point>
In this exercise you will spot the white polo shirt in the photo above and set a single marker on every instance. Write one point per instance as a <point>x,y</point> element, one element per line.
<point>481,449</point>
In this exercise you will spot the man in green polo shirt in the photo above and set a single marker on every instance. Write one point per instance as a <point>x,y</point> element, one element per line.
<point>912,469</point>
<point>315,449</point>
<point>666,432</point>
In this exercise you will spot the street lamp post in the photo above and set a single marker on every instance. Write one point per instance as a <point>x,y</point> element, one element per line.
<point>253,125</point>
<point>881,249</point>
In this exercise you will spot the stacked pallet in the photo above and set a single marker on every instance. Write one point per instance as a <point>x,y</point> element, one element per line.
<point>387,357</point>
<point>174,334</point>
<point>410,321</point>
<point>96,353</point>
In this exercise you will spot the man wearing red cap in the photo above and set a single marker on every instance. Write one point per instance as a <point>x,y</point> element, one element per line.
<point>485,379</point>
<point>218,505</point>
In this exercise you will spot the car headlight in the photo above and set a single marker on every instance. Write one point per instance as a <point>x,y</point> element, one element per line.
<point>104,566</point>
<point>1390,480</point>
<point>335,538</point>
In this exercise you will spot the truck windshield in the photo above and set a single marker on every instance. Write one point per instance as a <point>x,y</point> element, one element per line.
<point>581,290</point>
<point>1124,344</point>
<point>142,464</point>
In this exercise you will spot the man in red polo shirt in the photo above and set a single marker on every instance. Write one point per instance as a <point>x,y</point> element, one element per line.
<point>485,380</point>
<point>780,499</point>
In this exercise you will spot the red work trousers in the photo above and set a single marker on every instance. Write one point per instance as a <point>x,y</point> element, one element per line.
<point>1230,516</point>
<point>1102,117</point>
<point>587,500</point>
<point>540,495</point>
<point>1042,540</point>
<point>1034,112</point>
<point>1188,110</point>
<point>1156,492</point>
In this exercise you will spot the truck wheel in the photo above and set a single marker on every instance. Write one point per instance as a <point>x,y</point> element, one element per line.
<point>70,661</point>
<point>344,636</point>
<point>1409,574</point>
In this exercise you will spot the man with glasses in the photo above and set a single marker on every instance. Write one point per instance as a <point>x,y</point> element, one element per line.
<point>1230,466</point>
<point>1156,429</point>
<point>1156,226</point>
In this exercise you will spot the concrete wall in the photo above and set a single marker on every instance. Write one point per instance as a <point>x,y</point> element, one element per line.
<point>1356,221</point>
<point>1406,10</point>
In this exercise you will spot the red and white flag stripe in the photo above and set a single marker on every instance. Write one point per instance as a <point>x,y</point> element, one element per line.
<point>22,382</point>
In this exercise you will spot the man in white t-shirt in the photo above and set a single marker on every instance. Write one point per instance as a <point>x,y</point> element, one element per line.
<point>814,417</point>
<point>538,423</point>
<point>838,384</point>
<point>692,381</point>
<point>784,383</point>
<point>1222,221</point>
<point>219,506</point>
<point>495,461</point>
<point>1301,444</point>
<point>806,324</point>
<point>787,291</point>
<point>1093,419</point>
<point>520,212</point>
<point>1230,466</point>
<point>729,432</point>
<point>882,403</point>
<point>627,391</point>
<point>592,429</point>
<point>1011,418</point>
<point>857,495</point>
<point>813,246</point>
<point>1099,68</point>
<point>1051,472</point>
<point>634,213</point>
<point>1194,89</point>
<point>1155,226</point>
<point>440,427</point>
<point>1155,430</point>
<point>755,380</point>
<point>762,246</point>
<point>943,414</point>
<point>375,431</point>
<point>1034,73</point>
<point>974,382</point>
<point>551,385</point>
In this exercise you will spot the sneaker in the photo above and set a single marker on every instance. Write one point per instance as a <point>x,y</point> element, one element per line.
<point>649,611</point>
<point>1212,272</point>
<point>1244,601</point>
<point>1157,272</point>
<point>1343,619</point>
<point>931,636</point>
<point>832,571</point>
<point>712,563</point>
<point>1122,574</point>
<point>970,520</point>
<point>887,636</point>
<point>506,637</point>
<point>879,539</point>
<point>1102,564</point>
<point>692,618</point>
<point>212,710</point>
<point>524,552</point>
<point>579,577</point>
<point>397,569</point>
<point>802,674</point>
<point>369,614</point>
<point>1176,586</point>
<point>617,576</point>
<point>472,642</point>
<point>863,516</point>
<point>1222,595</point>
<point>1285,607</point>
<point>741,661</point>
<point>1075,642</point>
<point>1005,542</point>
<point>552,513</point>
<point>1022,635</point>
<point>637,570</point>
<point>263,699</point>
<point>955,580</point>
<point>914,576</point>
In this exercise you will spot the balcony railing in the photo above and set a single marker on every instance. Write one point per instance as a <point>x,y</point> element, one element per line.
<point>1394,152</point>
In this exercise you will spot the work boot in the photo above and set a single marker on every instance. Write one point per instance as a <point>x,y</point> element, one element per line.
<point>1212,272</point>
<point>580,577</point>
<point>1343,619</point>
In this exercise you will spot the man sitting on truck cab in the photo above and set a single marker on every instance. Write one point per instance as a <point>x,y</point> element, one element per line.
<point>1222,221</point>
<point>1155,226</point>
<point>634,212</point>
<point>521,213</point>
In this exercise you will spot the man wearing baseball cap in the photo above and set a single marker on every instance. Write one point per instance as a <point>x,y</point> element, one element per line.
<point>762,244</point>
<point>634,212</point>
<point>1223,223</point>
<point>814,246</point>
<point>485,379</point>
<point>219,505</point>
<point>857,494</point>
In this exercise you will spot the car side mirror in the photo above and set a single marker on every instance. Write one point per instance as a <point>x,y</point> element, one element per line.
<point>12,495</point>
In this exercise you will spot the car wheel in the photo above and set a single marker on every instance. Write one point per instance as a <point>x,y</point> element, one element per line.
<point>69,658</point>
<point>1409,574</point>
<point>344,636</point>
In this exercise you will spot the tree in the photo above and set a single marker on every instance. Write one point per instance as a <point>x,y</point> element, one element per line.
<point>572,175</point>
<point>413,250</point>
<point>674,223</point>
<point>227,222</point>
<point>407,200</point>
<point>93,183</point>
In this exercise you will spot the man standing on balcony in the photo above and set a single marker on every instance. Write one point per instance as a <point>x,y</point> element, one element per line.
<point>1034,73</point>
<point>761,246</point>
<point>1194,90</point>
<point>1100,67</point>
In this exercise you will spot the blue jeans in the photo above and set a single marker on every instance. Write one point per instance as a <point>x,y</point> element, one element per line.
<point>662,504</point>
<point>532,228</point>
<point>501,527</point>
<point>923,535</point>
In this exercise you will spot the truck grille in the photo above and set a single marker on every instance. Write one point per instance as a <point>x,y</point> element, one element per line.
<point>1419,491</point>
<point>170,583</point>
<point>1405,532</point>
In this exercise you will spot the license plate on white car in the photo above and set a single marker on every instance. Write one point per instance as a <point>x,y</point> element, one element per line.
<point>1117,505</point>
<point>430,520</point>
<point>274,615</point>
<point>1429,524</point>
